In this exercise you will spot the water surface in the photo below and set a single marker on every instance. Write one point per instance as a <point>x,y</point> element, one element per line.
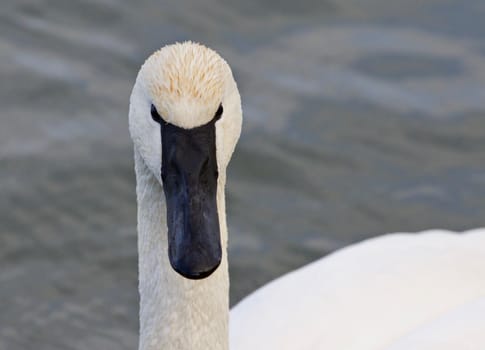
<point>361,118</point>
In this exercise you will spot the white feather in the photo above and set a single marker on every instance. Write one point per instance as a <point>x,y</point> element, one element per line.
<point>370,295</point>
<point>396,292</point>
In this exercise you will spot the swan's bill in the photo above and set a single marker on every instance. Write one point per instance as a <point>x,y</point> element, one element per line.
<point>189,174</point>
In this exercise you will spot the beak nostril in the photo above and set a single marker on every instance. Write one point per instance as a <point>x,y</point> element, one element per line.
<point>205,166</point>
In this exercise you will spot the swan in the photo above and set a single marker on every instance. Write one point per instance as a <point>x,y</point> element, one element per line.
<point>399,291</point>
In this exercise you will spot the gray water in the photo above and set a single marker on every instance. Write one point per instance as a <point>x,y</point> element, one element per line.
<point>361,117</point>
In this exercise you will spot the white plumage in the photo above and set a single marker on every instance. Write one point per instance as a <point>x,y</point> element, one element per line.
<point>397,292</point>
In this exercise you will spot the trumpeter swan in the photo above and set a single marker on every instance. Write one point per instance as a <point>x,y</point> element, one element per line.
<point>386,293</point>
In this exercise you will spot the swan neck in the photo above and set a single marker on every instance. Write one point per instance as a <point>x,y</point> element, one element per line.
<point>176,313</point>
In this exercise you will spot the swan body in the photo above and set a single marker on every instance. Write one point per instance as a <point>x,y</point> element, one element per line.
<point>396,292</point>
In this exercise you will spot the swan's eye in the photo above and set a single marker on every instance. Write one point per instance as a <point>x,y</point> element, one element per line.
<point>219,111</point>
<point>155,116</point>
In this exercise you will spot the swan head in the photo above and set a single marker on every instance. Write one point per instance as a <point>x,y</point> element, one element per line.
<point>185,119</point>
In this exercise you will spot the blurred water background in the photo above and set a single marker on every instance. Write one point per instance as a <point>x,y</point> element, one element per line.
<point>361,117</point>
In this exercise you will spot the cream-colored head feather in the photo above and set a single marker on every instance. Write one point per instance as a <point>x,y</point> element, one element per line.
<point>186,81</point>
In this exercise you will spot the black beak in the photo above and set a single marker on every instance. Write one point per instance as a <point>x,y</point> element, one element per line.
<point>189,175</point>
